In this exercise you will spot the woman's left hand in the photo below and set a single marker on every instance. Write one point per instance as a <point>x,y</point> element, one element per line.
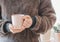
<point>27,21</point>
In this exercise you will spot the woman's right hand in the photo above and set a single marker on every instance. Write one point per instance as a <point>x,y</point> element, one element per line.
<point>14,29</point>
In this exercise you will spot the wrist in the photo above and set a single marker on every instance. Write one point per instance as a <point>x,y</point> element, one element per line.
<point>6,26</point>
<point>33,21</point>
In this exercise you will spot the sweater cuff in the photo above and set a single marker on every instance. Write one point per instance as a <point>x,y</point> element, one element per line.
<point>6,26</point>
<point>34,22</point>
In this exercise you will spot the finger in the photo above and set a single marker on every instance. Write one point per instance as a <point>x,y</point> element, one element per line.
<point>26,16</point>
<point>11,30</point>
<point>14,30</point>
<point>23,26</point>
<point>16,27</point>
<point>26,25</point>
<point>28,22</point>
<point>17,30</point>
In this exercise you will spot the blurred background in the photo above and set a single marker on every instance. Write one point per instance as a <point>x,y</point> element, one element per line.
<point>53,35</point>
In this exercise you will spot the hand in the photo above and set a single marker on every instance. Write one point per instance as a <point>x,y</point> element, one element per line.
<point>27,21</point>
<point>14,29</point>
